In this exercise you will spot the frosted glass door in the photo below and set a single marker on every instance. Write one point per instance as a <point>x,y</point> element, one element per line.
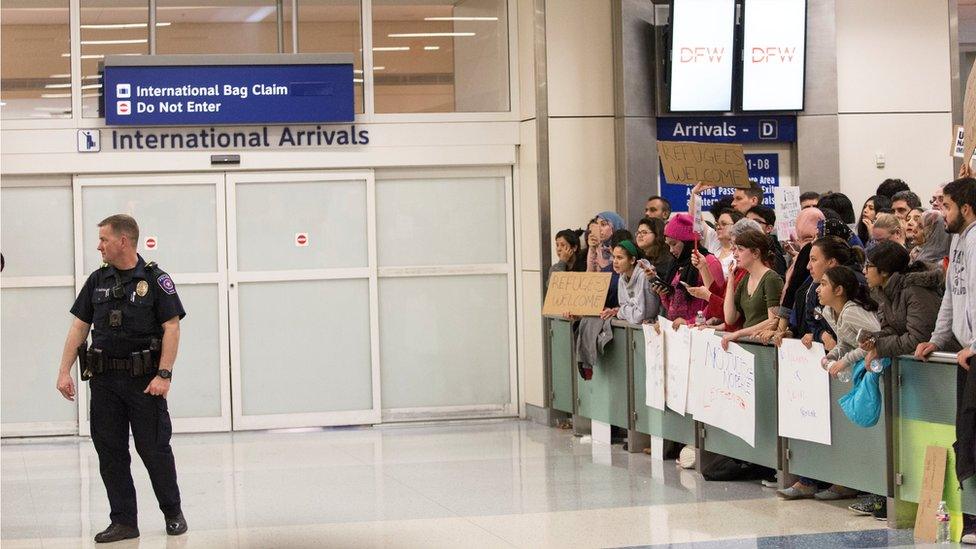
<point>303,300</point>
<point>181,228</point>
<point>37,291</point>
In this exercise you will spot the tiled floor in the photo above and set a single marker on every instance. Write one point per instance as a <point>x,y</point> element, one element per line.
<point>474,484</point>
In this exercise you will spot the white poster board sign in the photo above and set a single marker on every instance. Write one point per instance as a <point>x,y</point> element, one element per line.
<point>698,339</point>
<point>728,381</point>
<point>804,393</point>
<point>654,366</point>
<point>787,201</point>
<point>677,353</point>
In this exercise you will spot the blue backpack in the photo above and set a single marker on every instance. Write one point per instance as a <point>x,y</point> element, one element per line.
<point>862,405</point>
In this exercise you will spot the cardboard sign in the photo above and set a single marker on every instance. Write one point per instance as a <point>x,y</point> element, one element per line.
<point>715,164</point>
<point>931,493</point>
<point>804,392</point>
<point>578,294</point>
<point>787,201</point>
<point>969,115</point>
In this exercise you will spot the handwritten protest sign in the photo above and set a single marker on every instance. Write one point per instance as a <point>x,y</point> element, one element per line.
<point>716,164</point>
<point>933,485</point>
<point>728,381</point>
<point>804,393</point>
<point>969,115</point>
<point>698,339</point>
<point>580,294</point>
<point>787,201</point>
<point>677,352</point>
<point>654,364</point>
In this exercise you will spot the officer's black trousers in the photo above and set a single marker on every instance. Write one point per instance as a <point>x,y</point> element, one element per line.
<point>118,401</point>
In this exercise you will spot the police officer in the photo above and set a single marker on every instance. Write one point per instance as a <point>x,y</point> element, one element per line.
<point>134,313</point>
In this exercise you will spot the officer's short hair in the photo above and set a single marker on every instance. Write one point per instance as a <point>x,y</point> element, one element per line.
<point>124,225</point>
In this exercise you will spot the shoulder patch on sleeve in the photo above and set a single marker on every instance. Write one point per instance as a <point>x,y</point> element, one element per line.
<point>166,283</point>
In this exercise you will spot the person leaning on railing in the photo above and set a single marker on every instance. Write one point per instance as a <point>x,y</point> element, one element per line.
<point>755,299</point>
<point>908,296</point>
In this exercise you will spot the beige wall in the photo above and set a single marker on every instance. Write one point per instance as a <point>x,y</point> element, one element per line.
<point>893,94</point>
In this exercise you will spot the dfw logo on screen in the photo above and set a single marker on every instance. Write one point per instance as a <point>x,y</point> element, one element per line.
<point>702,54</point>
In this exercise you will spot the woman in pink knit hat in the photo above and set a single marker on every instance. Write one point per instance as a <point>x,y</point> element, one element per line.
<point>676,302</point>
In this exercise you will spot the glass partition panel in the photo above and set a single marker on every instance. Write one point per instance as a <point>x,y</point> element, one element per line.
<point>35,59</point>
<point>431,56</point>
<point>330,26</point>
<point>109,27</point>
<point>215,26</point>
<point>32,247</point>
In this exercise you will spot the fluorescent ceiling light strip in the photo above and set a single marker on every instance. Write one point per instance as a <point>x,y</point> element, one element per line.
<point>259,14</point>
<point>460,19</point>
<point>392,48</point>
<point>60,76</point>
<point>114,42</point>
<point>357,80</point>
<point>91,86</point>
<point>56,86</point>
<point>98,55</point>
<point>123,26</point>
<point>55,95</point>
<point>427,34</point>
<point>432,48</point>
<point>380,68</point>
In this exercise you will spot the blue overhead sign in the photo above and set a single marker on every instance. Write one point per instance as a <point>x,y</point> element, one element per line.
<point>727,129</point>
<point>201,90</point>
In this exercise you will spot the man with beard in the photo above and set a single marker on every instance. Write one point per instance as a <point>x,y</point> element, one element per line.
<point>955,321</point>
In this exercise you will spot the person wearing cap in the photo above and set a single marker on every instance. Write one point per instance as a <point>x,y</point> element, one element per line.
<point>677,303</point>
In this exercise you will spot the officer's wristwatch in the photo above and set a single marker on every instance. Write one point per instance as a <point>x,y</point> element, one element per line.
<point>165,374</point>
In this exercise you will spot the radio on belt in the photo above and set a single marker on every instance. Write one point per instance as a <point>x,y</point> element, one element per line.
<point>222,159</point>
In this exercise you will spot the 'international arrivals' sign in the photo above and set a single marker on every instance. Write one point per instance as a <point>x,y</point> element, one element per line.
<point>188,90</point>
<point>223,138</point>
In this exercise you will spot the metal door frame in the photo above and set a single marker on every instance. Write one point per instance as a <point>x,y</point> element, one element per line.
<point>310,419</point>
<point>219,278</point>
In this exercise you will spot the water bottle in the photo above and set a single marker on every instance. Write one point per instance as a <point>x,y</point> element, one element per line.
<point>876,366</point>
<point>700,318</point>
<point>844,376</point>
<point>942,524</point>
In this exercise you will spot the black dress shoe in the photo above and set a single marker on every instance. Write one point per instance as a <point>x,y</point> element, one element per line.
<point>176,525</point>
<point>116,532</point>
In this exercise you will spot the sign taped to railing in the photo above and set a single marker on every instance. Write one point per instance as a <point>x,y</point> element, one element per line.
<point>654,367</point>
<point>677,352</point>
<point>728,382</point>
<point>698,341</point>
<point>577,294</point>
<point>804,392</point>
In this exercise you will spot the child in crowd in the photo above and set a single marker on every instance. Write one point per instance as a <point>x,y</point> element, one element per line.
<point>755,299</point>
<point>637,302</point>
<point>848,310</point>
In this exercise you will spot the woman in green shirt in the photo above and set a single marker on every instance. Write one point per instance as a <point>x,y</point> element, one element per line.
<point>755,299</point>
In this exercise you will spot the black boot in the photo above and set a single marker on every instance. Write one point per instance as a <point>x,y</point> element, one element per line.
<point>116,532</point>
<point>176,525</point>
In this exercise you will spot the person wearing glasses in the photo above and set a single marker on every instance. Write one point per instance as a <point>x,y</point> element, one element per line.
<point>650,239</point>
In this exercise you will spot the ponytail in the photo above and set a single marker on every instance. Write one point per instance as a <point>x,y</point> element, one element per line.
<point>845,278</point>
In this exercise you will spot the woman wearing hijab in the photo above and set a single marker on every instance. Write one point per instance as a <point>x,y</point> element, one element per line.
<point>599,257</point>
<point>932,241</point>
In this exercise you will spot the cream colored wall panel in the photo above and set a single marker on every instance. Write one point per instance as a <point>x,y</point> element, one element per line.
<point>915,146</point>
<point>530,342</point>
<point>526,58</point>
<point>893,56</point>
<point>579,57</point>
<point>528,182</point>
<point>581,170</point>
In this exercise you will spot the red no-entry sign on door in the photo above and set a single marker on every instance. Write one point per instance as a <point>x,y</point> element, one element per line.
<point>301,239</point>
<point>151,242</point>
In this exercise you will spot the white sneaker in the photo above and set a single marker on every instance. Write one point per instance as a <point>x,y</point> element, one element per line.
<point>686,459</point>
<point>968,539</point>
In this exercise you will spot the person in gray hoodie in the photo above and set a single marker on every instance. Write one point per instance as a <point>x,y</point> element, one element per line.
<point>637,303</point>
<point>956,318</point>
<point>908,296</point>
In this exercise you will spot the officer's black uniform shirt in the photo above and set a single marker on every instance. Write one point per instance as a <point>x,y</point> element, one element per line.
<point>142,315</point>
